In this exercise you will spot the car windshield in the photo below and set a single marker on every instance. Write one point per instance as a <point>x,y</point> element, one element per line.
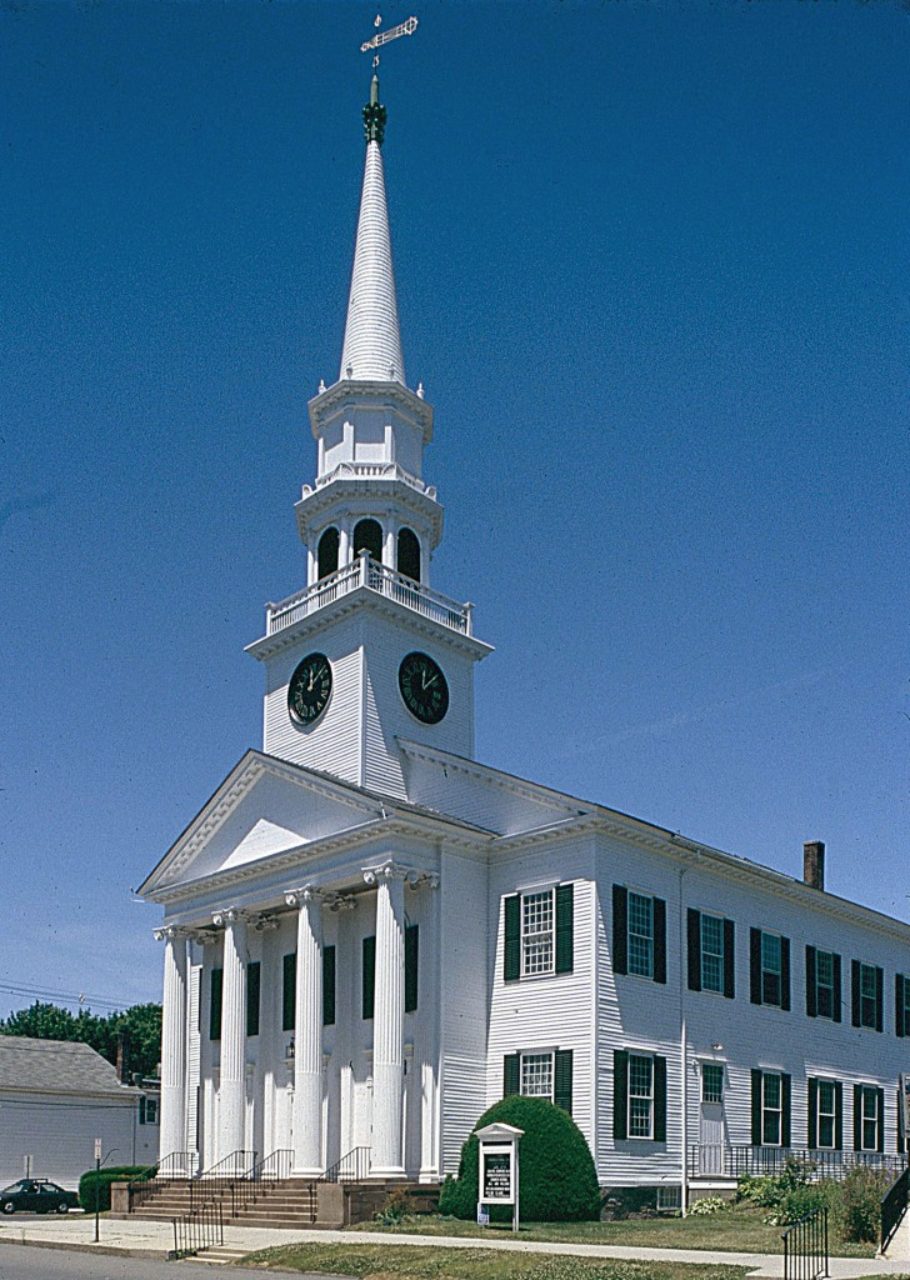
<point>15,1186</point>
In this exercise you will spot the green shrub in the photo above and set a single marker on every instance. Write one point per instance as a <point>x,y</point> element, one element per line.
<point>397,1209</point>
<point>119,1173</point>
<point>558,1181</point>
<point>859,1213</point>
<point>707,1206</point>
<point>765,1193</point>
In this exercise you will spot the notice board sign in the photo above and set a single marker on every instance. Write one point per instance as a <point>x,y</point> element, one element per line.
<point>497,1174</point>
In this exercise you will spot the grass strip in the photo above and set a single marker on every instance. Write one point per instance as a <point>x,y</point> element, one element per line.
<point>383,1262</point>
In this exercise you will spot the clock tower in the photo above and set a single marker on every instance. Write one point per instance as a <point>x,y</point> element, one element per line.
<point>367,654</point>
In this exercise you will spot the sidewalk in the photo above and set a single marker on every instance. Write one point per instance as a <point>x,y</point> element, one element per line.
<point>154,1239</point>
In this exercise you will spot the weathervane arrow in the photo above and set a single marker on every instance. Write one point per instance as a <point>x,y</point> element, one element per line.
<point>406,28</point>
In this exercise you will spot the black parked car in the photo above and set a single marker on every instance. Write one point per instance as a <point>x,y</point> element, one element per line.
<point>37,1195</point>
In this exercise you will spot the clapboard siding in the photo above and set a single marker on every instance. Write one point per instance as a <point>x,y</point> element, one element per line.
<point>58,1131</point>
<point>463,986</point>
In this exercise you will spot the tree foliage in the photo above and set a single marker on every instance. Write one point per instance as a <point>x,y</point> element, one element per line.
<point>141,1024</point>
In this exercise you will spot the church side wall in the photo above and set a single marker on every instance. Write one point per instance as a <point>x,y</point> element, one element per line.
<point>465,995</point>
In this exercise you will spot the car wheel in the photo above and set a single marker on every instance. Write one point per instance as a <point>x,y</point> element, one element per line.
<point>8,1206</point>
<point>63,1207</point>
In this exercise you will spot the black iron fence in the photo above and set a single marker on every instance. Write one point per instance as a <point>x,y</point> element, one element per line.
<point>806,1247</point>
<point>819,1163</point>
<point>354,1166</point>
<point>218,1180</point>
<point>894,1206</point>
<point>202,1228</point>
<point>261,1178</point>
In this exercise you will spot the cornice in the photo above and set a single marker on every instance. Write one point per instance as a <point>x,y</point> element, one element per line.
<point>362,598</point>
<point>346,491</point>
<point>486,774</point>
<point>371,395</point>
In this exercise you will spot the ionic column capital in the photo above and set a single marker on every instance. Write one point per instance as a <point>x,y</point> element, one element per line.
<point>169,933</point>
<point>229,915</point>
<point>390,870</point>
<point>302,897</point>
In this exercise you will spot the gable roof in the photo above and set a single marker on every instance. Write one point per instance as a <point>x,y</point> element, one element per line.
<point>58,1066</point>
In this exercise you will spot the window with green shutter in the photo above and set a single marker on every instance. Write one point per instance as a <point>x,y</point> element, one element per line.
<point>411,957</point>
<point>639,934</point>
<point>565,929</point>
<point>539,931</point>
<point>562,1079</point>
<point>620,1093</point>
<point>289,991</point>
<point>822,984</point>
<point>368,976</point>
<point>901,1005</point>
<point>868,983</point>
<point>511,1074</point>
<point>512,949</point>
<point>253,971</point>
<point>771,1107</point>
<point>639,1096</point>
<point>216,985</point>
<point>328,986</point>
<point>769,968</point>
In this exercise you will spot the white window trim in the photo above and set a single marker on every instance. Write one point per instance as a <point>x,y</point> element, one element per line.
<point>869,1091</point>
<point>823,1146</point>
<point>639,893</point>
<point>711,991</point>
<point>723,1083</point>
<point>537,1053</point>
<point>551,969</point>
<point>778,1110</point>
<point>640,1137</point>
<point>823,951</point>
<point>864,969</point>
<point>779,973</point>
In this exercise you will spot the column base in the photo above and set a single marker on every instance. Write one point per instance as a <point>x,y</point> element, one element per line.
<point>387,1174</point>
<point>310,1173</point>
<point>430,1176</point>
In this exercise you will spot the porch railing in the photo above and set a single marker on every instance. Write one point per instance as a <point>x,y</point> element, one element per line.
<point>707,1161</point>
<point>894,1206</point>
<point>263,1177</point>
<point>215,1182</point>
<point>806,1247</point>
<point>175,1165</point>
<point>201,1228</point>
<point>354,1166</point>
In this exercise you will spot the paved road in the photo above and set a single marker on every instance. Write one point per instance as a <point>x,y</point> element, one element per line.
<point>25,1262</point>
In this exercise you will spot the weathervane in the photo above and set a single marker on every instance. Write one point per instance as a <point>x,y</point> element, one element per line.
<point>406,28</point>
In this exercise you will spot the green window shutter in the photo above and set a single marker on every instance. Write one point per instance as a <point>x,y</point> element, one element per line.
<point>620,930</point>
<point>562,1079</point>
<point>812,1104</point>
<point>660,1099</point>
<point>289,991</point>
<point>511,1074</point>
<point>857,1116</point>
<point>755,966</point>
<point>854,979</point>
<point>328,986</point>
<point>253,977</point>
<point>565,928</point>
<point>511,971</point>
<point>811,1006</point>
<point>785,1093</point>
<point>215,988</point>
<point>837,990</point>
<point>879,999</point>
<point>756,1106</point>
<point>785,977</point>
<point>693,935</point>
<point>411,952</point>
<point>368,977</point>
<point>660,940</point>
<point>838,1116</point>
<point>899,1028</point>
<point>620,1092</point>
<point>729,960</point>
<point>880,1098</point>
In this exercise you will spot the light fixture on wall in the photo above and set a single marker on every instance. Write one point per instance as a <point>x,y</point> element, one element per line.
<point>717,1047</point>
<point>289,1051</point>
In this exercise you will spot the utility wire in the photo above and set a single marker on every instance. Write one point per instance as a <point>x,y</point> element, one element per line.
<point>80,999</point>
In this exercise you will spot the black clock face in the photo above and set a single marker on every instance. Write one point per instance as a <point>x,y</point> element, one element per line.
<point>309,689</point>
<point>423,687</point>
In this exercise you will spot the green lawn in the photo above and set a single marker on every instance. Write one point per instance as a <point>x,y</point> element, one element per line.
<point>739,1229</point>
<point>383,1262</point>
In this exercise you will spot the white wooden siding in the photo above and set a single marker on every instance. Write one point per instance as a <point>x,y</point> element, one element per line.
<point>59,1130</point>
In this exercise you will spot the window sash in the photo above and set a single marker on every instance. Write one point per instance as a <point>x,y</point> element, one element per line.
<point>868,996</point>
<point>826,1115</point>
<point>771,968</point>
<point>641,935</point>
<point>712,953</point>
<point>537,1075</point>
<point>869,1119</point>
<point>537,933</point>
<point>712,1082</point>
<point>641,1096</point>
<point>824,984</point>
<point>771,1109</point>
<point>906,1004</point>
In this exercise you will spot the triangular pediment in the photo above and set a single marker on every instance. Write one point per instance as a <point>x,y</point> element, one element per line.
<point>265,807</point>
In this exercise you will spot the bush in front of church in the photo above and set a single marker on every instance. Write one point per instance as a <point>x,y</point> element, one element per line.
<point>557,1178</point>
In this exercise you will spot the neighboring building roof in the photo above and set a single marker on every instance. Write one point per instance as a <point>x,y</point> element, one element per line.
<point>58,1066</point>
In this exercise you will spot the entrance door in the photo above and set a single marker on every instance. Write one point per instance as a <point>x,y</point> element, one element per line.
<point>712,1131</point>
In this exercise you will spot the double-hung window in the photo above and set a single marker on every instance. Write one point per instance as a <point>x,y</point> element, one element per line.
<point>902,1004</point>
<point>539,929</point>
<point>641,935</point>
<point>712,953</point>
<point>824,1114</point>
<point>537,933</point>
<point>639,1096</point>
<point>537,1075</point>
<point>827,1114</point>
<point>769,963</point>
<point>868,983</point>
<point>824,984</point>
<point>540,1074</point>
<point>868,1117</point>
<point>770,1108</point>
<point>770,968</point>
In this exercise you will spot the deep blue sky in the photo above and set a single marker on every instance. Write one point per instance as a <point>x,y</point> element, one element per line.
<point>652,264</point>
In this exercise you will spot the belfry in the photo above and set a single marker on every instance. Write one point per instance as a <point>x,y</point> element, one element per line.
<point>370,937</point>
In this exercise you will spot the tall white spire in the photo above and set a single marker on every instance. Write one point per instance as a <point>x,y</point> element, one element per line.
<point>372,341</point>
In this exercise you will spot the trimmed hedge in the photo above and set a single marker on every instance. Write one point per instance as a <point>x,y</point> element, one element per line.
<point>557,1182</point>
<point>118,1173</point>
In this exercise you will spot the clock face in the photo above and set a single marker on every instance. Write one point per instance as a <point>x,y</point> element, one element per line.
<point>423,687</point>
<point>309,689</point>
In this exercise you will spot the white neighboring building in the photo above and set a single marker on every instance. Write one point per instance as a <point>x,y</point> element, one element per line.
<point>369,937</point>
<point>56,1098</point>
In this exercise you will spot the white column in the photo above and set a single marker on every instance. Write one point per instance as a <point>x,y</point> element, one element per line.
<point>308,1034</point>
<point>430,1066</point>
<point>311,564</point>
<point>390,549</point>
<point>388,1021</point>
<point>172,1137</point>
<point>344,543</point>
<point>232,1089</point>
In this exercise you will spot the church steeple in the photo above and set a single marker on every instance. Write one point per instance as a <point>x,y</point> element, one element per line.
<point>372,340</point>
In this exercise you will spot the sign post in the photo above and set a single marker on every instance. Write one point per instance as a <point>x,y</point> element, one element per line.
<point>497,1174</point>
<point>97,1185</point>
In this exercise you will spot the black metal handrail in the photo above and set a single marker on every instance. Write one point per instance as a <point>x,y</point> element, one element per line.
<point>263,1177</point>
<point>201,1228</point>
<point>353,1166</point>
<point>215,1182</point>
<point>894,1206</point>
<point>819,1163</point>
<point>806,1247</point>
<point>170,1168</point>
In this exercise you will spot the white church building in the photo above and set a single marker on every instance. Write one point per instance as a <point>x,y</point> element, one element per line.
<point>369,937</point>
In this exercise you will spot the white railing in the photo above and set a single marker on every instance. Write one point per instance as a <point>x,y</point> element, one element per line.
<point>370,471</point>
<point>372,576</point>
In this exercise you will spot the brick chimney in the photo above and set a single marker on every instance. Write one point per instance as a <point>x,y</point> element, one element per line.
<point>814,864</point>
